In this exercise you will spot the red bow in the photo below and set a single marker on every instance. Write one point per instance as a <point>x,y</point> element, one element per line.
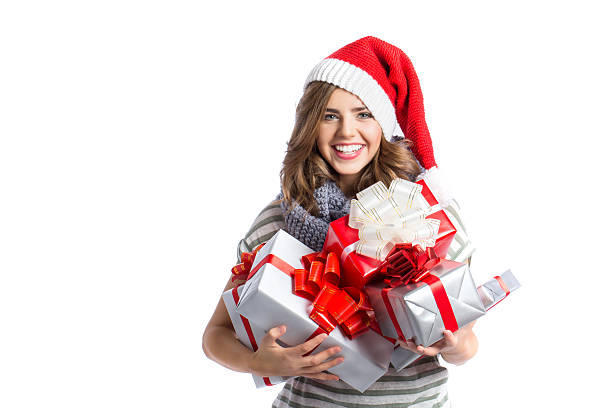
<point>408,264</point>
<point>332,305</point>
<point>241,271</point>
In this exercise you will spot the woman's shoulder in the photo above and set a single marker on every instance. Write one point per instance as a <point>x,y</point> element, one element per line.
<point>267,223</point>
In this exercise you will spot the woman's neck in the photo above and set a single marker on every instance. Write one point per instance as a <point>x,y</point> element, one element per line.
<point>346,182</point>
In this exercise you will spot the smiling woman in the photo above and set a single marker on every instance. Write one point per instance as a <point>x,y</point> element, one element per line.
<point>325,117</point>
<point>349,136</point>
<point>351,131</point>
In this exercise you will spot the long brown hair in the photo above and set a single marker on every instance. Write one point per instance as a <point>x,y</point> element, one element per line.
<point>304,169</point>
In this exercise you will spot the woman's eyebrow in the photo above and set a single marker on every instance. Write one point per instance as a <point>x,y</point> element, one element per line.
<point>352,110</point>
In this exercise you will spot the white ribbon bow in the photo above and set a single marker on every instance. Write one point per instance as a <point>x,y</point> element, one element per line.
<point>385,217</point>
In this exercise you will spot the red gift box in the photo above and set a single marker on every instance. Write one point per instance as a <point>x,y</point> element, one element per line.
<point>360,269</point>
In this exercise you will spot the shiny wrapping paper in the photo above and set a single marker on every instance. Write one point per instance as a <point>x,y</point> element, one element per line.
<point>490,293</point>
<point>267,301</point>
<point>416,309</point>
<point>495,290</point>
<point>381,217</point>
<point>249,334</point>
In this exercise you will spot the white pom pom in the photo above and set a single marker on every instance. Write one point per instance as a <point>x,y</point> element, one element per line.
<point>436,184</point>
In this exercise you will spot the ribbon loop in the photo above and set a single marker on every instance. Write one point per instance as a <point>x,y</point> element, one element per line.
<point>241,271</point>
<point>320,282</point>
<point>332,304</point>
<point>408,264</point>
<point>385,217</point>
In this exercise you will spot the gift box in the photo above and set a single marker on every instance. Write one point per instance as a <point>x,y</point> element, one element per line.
<point>248,333</point>
<point>495,290</point>
<point>380,218</point>
<point>446,299</point>
<point>267,301</point>
<point>490,293</point>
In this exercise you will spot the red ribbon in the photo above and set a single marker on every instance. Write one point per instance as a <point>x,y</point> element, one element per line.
<point>332,305</point>
<point>502,284</point>
<point>242,270</point>
<point>504,287</point>
<point>320,282</point>
<point>408,264</point>
<point>249,331</point>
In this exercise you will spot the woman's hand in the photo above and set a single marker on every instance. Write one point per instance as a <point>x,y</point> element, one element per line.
<point>455,348</point>
<point>271,359</point>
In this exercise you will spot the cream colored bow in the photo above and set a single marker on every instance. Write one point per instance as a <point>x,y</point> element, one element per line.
<point>385,217</point>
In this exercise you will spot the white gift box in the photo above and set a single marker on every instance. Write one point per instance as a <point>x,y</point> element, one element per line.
<point>268,301</point>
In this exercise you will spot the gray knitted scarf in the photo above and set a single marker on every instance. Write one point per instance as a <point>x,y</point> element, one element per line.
<point>311,230</point>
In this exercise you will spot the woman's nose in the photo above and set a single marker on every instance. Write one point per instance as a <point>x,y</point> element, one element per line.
<point>348,127</point>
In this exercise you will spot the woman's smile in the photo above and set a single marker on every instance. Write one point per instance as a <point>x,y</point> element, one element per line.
<point>349,136</point>
<point>348,151</point>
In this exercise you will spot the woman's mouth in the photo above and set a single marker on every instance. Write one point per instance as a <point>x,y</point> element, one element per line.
<point>348,152</point>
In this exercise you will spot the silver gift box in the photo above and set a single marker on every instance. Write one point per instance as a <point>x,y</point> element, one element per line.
<point>243,337</point>
<point>415,308</point>
<point>490,293</point>
<point>402,358</point>
<point>268,301</point>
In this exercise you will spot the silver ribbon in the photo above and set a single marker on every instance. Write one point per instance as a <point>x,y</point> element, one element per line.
<point>385,217</point>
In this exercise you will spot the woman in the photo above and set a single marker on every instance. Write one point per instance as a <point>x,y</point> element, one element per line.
<point>349,133</point>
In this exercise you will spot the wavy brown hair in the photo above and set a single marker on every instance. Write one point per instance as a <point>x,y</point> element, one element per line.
<point>304,169</point>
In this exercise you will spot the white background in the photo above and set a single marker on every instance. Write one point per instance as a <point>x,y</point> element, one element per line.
<point>140,139</point>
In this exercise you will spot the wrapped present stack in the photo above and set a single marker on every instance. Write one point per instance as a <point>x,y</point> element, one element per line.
<point>381,277</point>
<point>269,299</point>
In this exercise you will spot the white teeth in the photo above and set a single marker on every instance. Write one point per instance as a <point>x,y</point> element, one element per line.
<point>348,148</point>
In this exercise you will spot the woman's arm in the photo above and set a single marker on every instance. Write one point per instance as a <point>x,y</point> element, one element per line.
<point>219,341</point>
<point>220,344</point>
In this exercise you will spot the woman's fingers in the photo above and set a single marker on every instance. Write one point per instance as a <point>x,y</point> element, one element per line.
<point>428,351</point>
<point>272,335</point>
<point>449,341</point>
<point>322,376</point>
<point>310,345</point>
<point>408,345</point>
<point>316,359</point>
<point>323,366</point>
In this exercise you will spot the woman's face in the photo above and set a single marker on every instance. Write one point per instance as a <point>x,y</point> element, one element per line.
<point>349,136</point>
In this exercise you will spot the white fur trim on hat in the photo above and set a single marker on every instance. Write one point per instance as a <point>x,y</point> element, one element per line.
<point>363,85</point>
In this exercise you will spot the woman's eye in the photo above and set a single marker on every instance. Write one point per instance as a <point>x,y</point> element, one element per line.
<point>365,115</point>
<point>329,116</point>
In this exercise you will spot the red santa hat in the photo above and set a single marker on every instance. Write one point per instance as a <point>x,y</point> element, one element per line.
<point>383,77</point>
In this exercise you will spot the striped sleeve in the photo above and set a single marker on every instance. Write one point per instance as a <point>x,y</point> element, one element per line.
<point>266,224</point>
<point>461,248</point>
